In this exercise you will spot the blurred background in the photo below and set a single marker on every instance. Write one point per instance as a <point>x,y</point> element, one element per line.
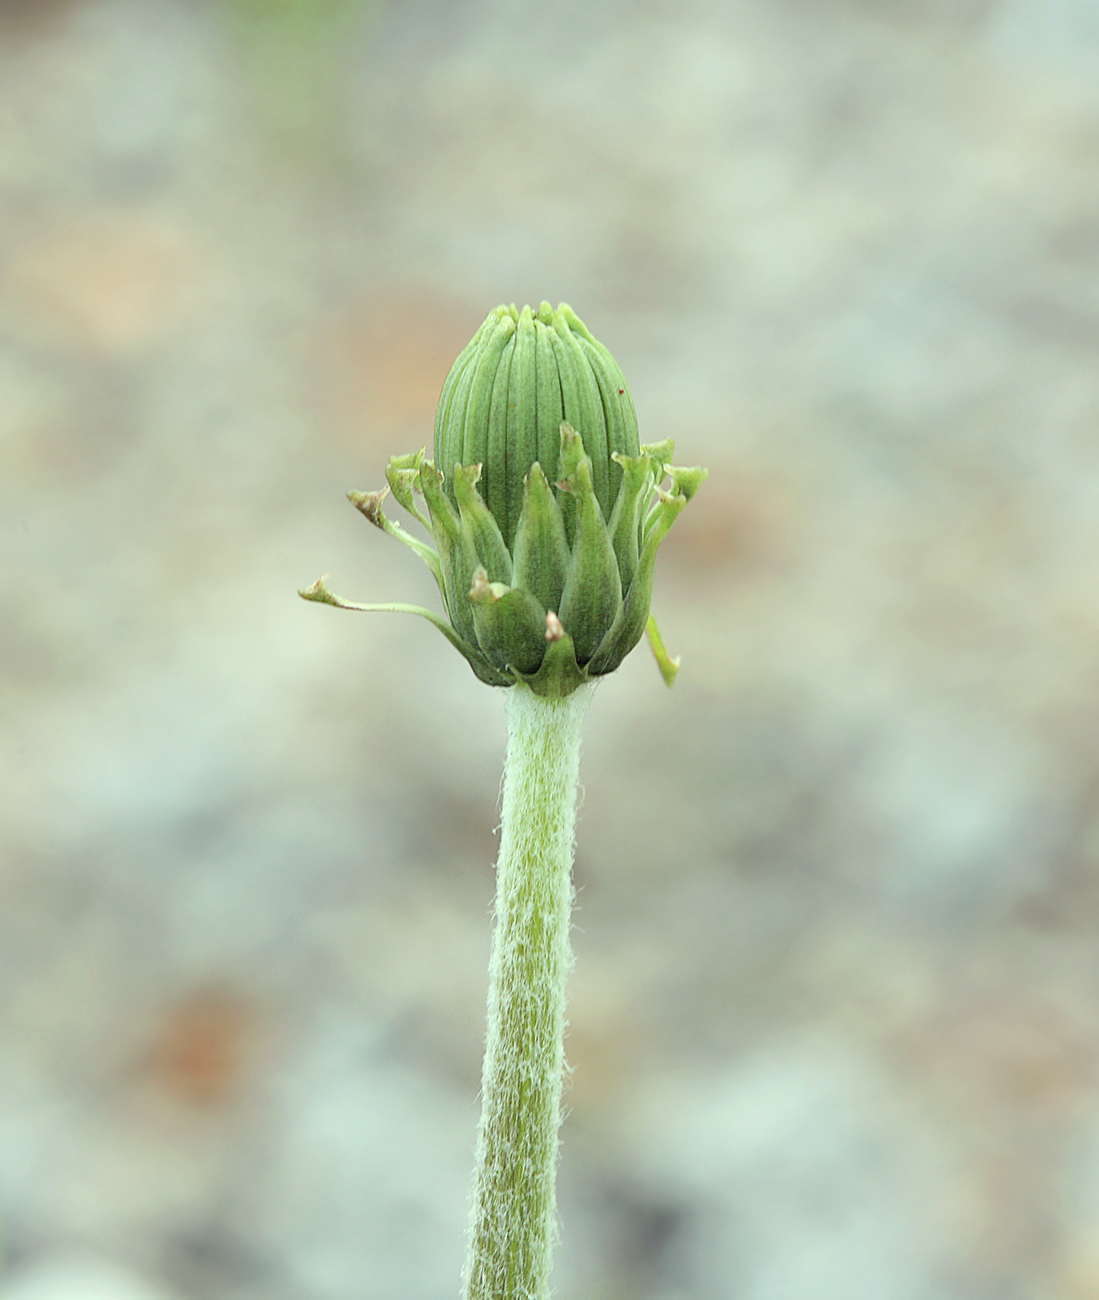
<point>835,1014</point>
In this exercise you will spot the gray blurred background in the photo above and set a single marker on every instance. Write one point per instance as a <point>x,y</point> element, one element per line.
<point>835,1014</point>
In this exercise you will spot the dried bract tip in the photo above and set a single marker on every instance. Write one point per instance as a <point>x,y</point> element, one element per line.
<point>370,504</point>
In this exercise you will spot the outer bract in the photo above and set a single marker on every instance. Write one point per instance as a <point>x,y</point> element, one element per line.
<point>545,511</point>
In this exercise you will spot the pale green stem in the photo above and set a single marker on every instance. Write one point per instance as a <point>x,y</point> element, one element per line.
<point>514,1217</point>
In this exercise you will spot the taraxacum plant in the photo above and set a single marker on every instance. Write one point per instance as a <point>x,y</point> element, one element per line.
<point>546,514</point>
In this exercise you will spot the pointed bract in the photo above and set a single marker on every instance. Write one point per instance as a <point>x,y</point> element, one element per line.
<point>592,597</point>
<point>625,522</point>
<point>510,624</point>
<point>457,554</point>
<point>541,555</point>
<point>483,529</point>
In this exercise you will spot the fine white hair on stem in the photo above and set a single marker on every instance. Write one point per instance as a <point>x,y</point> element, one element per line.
<point>513,1222</point>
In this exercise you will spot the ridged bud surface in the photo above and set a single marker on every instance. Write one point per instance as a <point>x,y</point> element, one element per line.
<point>521,375</point>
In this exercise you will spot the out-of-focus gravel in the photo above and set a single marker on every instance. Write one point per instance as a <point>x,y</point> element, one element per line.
<point>835,1015</point>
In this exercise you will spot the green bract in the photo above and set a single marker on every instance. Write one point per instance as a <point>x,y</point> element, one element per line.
<point>545,581</point>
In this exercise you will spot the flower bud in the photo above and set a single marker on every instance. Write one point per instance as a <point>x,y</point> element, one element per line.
<point>545,511</point>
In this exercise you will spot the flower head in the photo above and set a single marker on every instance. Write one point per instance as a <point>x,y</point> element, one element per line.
<point>545,511</point>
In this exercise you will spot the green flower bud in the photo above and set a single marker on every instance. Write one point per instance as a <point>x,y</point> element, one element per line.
<point>545,511</point>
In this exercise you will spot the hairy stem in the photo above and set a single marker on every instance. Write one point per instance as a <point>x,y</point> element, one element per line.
<point>513,1221</point>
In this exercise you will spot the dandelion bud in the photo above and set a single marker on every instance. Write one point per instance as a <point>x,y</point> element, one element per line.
<point>545,510</point>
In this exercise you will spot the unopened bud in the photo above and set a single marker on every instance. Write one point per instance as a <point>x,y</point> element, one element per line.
<point>545,510</point>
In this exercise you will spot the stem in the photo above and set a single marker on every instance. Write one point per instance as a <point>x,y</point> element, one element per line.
<point>514,1217</point>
